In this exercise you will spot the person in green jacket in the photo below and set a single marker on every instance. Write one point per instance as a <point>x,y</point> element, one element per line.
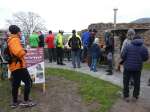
<point>34,40</point>
<point>59,48</point>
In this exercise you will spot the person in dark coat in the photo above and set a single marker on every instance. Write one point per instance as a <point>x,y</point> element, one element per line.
<point>133,56</point>
<point>41,39</point>
<point>75,44</point>
<point>91,40</point>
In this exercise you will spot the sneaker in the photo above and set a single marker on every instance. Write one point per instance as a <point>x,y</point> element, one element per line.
<point>62,64</point>
<point>109,74</point>
<point>134,99</point>
<point>14,105</point>
<point>126,99</point>
<point>94,70</point>
<point>149,82</point>
<point>58,63</point>
<point>79,66</point>
<point>27,104</point>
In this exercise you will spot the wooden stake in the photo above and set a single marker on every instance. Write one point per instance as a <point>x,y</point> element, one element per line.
<point>44,87</point>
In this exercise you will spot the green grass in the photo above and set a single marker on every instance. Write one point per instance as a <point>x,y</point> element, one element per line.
<point>91,89</point>
<point>5,98</point>
<point>146,66</point>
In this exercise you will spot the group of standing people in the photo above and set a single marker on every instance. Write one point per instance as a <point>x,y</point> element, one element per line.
<point>133,54</point>
<point>90,44</point>
<point>36,39</point>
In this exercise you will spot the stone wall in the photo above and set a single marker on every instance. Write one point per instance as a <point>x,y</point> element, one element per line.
<point>101,27</point>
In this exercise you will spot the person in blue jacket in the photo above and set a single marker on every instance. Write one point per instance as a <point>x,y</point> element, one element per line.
<point>133,56</point>
<point>95,52</point>
<point>85,41</point>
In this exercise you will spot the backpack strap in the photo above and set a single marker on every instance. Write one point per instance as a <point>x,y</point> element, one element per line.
<point>14,58</point>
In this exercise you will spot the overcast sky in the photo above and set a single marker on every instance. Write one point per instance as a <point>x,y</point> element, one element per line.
<point>76,14</point>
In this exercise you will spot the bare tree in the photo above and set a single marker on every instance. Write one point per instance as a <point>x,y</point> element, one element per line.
<point>28,22</point>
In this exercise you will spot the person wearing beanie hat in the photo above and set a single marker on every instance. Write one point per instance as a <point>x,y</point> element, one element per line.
<point>130,36</point>
<point>18,67</point>
<point>95,53</point>
<point>13,29</point>
<point>133,56</point>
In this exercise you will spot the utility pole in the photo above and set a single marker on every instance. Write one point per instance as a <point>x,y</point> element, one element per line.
<point>115,17</point>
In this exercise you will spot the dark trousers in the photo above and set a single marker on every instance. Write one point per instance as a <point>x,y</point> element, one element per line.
<point>18,76</point>
<point>60,54</point>
<point>76,58</point>
<point>51,52</point>
<point>68,54</point>
<point>135,75</point>
<point>84,53</point>
<point>110,67</point>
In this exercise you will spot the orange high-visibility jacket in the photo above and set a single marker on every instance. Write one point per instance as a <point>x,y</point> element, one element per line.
<point>16,49</point>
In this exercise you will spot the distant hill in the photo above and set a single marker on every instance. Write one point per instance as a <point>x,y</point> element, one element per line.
<point>142,20</point>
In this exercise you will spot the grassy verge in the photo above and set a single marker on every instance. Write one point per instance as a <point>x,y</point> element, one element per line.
<point>5,98</point>
<point>91,89</point>
<point>146,66</point>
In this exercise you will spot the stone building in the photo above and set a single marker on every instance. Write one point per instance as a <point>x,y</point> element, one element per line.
<point>142,29</point>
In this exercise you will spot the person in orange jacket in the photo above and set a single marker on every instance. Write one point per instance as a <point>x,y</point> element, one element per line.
<point>18,68</point>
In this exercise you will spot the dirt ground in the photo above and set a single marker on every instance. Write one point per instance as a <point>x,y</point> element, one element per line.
<point>139,106</point>
<point>62,96</point>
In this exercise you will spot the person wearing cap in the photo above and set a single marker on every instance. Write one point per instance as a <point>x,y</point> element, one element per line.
<point>18,68</point>
<point>95,52</point>
<point>59,48</point>
<point>133,56</point>
<point>75,44</point>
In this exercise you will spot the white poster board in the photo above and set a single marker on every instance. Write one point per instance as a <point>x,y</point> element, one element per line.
<point>35,64</point>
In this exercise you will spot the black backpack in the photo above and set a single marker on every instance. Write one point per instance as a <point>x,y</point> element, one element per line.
<point>75,43</point>
<point>7,55</point>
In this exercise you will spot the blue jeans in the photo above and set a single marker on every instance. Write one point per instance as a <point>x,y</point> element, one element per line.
<point>93,64</point>
<point>76,58</point>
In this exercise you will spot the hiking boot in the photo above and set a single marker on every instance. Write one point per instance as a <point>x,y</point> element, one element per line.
<point>27,104</point>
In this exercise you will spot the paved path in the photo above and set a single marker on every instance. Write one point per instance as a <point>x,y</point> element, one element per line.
<point>116,78</point>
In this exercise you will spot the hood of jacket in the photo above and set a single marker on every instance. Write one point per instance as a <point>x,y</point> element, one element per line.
<point>137,42</point>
